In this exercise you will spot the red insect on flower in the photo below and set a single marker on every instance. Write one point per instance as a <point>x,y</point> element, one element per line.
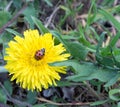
<point>40,54</point>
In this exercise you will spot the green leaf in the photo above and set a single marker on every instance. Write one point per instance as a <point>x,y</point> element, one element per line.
<point>28,13</point>
<point>40,25</point>
<point>87,44</point>
<point>77,50</point>
<point>69,37</point>
<point>104,55</point>
<point>73,63</point>
<point>95,32</point>
<point>102,36</point>
<point>17,3</point>
<point>57,35</point>
<point>109,17</point>
<point>64,83</point>
<point>49,2</point>
<point>66,9</point>
<point>112,81</point>
<point>13,31</point>
<point>91,17</point>
<point>114,94</point>
<point>4,17</point>
<point>114,40</point>
<point>8,86</point>
<point>87,71</point>
<point>6,37</point>
<point>31,97</point>
<point>90,72</point>
<point>107,61</point>
<point>3,97</point>
<point>98,103</point>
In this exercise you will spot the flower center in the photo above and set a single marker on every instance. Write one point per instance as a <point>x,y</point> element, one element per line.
<point>39,54</point>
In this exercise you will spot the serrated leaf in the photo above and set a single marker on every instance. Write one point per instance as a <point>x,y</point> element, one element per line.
<point>86,74</point>
<point>87,71</point>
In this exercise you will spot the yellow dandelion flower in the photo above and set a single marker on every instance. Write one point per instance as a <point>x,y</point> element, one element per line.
<point>27,60</point>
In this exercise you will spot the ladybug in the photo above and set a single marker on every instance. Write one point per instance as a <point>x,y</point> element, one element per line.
<point>40,54</point>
